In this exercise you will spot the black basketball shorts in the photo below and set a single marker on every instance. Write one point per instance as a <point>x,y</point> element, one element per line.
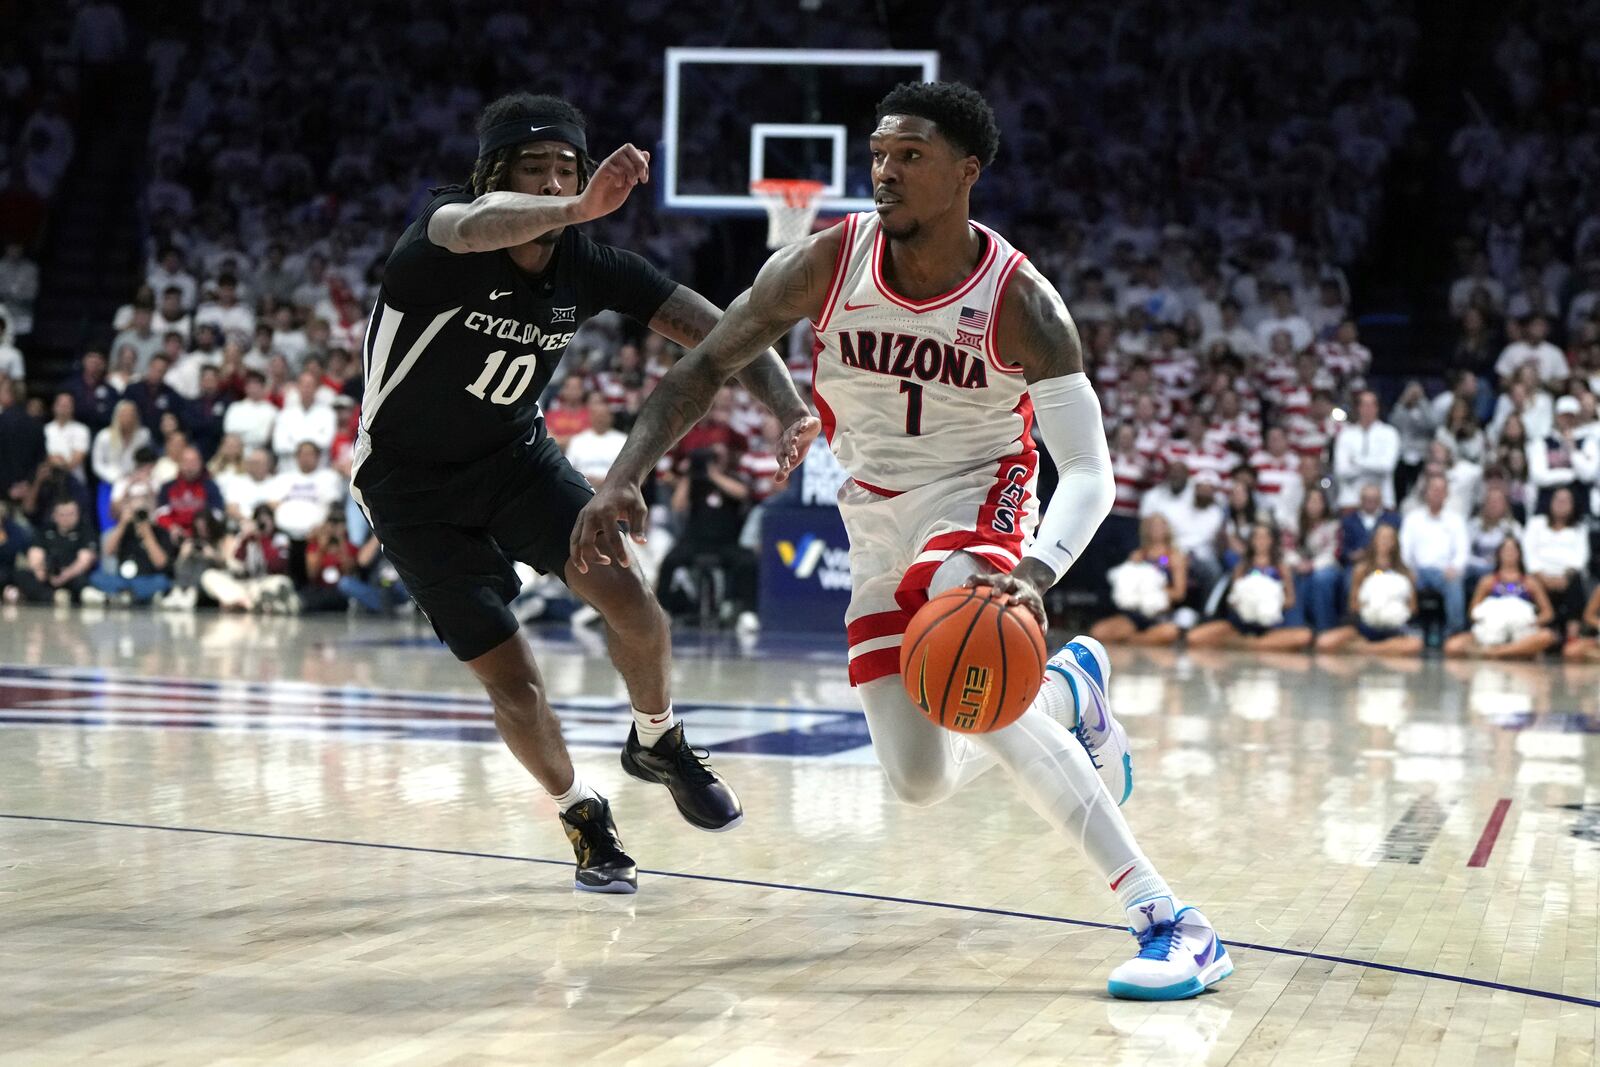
<point>452,532</point>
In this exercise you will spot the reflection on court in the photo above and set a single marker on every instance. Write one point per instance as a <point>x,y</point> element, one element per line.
<point>363,884</point>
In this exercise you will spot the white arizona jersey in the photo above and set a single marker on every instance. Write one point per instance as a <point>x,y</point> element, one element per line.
<point>912,392</point>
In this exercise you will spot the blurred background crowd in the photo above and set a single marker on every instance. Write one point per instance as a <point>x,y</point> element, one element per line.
<point>1322,288</point>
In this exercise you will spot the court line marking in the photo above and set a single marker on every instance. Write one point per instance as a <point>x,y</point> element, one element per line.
<point>1491,833</point>
<point>817,891</point>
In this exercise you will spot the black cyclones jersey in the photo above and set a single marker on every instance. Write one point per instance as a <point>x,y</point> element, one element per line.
<point>460,345</point>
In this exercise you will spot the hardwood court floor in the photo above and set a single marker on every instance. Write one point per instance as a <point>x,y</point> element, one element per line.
<point>234,841</point>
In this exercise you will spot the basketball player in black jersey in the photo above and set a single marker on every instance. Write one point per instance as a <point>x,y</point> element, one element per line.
<point>480,298</point>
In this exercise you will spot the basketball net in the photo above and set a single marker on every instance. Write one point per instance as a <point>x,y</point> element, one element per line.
<point>791,205</point>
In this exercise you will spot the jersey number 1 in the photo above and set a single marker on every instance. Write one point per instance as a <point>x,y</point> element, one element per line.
<point>513,385</point>
<point>913,408</point>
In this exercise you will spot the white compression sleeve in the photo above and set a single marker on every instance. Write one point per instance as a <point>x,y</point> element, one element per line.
<point>1069,420</point>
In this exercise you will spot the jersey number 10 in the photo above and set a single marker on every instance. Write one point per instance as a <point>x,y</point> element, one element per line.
<point>517,378</point>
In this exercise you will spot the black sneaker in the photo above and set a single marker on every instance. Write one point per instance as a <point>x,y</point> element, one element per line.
<point>602,865</point>
<point>703,798</point>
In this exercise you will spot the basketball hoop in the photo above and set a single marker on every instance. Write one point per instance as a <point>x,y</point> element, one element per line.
<point>791,205</point>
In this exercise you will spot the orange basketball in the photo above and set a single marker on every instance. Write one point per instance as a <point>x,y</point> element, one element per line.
<point>972,660</point>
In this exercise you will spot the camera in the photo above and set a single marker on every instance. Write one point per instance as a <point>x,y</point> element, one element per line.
<point>141,515</point>
<point>700,461</point>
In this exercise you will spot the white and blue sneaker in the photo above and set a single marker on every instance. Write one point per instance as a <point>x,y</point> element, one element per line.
<point>1082,668</point>
<point>1179,956</point>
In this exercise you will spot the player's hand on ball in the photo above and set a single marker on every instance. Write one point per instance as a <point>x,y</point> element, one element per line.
<point>596,537</point>
<point>613,180</point>
<point>794,444</point>
<point>1017,586</point>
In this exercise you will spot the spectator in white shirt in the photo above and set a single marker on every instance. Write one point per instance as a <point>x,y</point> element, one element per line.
<point>302,495</point>
<point>303,419</point>
<point>170,317</point>
<point>252,417</point>
<point>1366,452</point>
<point>231,318</point>
<point>1525,398</point>
<point>1557,550</point>
<point>1434,544</point>
<point>115,446</point>
<point>1284,316</point>
<point>11,363</point>
<point>1196,516</point>
<point>1564,457</point>
<point>141,335</point>
<point>169,274</point>
<point>184,376</point>
<point>1534,349</point>
<point>243,493</point>
<point>66,440</point>
<point>591,452</point>
<point>19,286</point>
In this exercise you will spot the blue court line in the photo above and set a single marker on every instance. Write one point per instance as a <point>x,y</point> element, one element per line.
<point>288,688</point>
<point>971,909</point>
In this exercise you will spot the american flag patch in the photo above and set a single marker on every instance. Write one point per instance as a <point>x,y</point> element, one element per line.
<point>973,319</point>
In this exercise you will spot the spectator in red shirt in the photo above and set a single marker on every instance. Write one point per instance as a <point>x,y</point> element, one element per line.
<point>190,493</point>
<point>330,557</point>
<point>715,429</point>
<point>568,413</point>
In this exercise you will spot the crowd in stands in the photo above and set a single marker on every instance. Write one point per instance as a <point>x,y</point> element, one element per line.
<point>1200,237</point>
<point>1256,471</point>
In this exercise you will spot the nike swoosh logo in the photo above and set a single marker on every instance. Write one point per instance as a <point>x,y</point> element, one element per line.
<point>498,294</point>
<point>857,307</point>
<point>1122,878</point>
<point>1202,958</point>
<point>1099,708</point>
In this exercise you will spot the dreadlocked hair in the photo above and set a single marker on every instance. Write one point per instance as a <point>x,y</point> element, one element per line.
<point>488,173</point>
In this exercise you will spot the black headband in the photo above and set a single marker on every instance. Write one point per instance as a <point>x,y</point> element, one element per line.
<point>536,128</point>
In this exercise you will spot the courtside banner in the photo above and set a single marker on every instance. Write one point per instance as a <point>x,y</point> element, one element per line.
<point>805,569</point>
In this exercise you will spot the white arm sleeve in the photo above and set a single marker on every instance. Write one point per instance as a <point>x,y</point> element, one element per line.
<point>1068,416</point>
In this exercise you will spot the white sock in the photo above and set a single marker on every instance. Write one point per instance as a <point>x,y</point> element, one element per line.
<point>1054,775</point>
<point>1139,880</point>
<point>651,727</point>
<point>1059,698</point>
<point>576,792</point>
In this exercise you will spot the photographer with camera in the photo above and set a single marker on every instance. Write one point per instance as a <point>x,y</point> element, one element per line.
<point>330,558</point>
<point>709,500</point>
<point>199,564</point>
<point>142,549</point>
<point>258,566</point>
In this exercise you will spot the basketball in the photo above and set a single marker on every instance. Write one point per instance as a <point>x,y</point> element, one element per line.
<point>973,659</point>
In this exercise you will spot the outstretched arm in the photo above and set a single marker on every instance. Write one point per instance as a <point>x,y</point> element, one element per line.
<point>687,318</point>
<point>791,286</point>
<point>507,219</point>
<point>1037,334</point>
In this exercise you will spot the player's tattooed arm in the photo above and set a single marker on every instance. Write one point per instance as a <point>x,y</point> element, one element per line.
<point>1035,331</point>
<point>791,286</point>
<point>687,318</point>
<point>507,219</point>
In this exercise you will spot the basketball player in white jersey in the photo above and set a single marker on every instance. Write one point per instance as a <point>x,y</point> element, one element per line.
<point>938,347</point>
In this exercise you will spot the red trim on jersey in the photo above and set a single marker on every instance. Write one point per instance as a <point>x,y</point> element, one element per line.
<point>836,283</point>
<point>879,490</point>
<point>993,332</point>
<point>936,302</point>
<point>878,624</point>
<point>824,412</point>
<point>870,666</point>
<point>912,592</point>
